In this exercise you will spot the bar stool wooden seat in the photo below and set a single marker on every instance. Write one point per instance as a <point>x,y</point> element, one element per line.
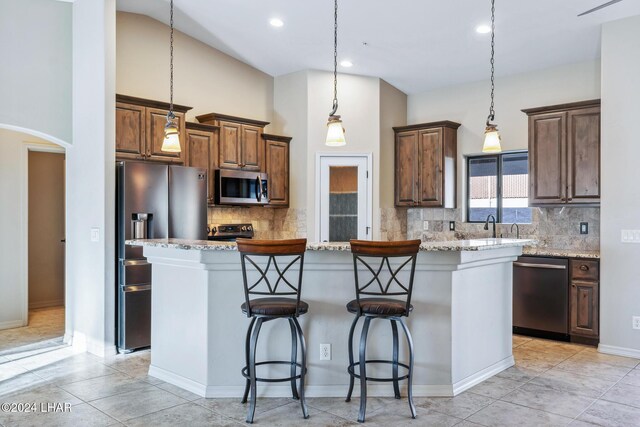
<point>385,297</point>
<point>280,300</point>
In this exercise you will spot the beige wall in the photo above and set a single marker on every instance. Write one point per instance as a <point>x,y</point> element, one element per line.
<point>204,78</point>
<point>46,229</point>
<point>620,204</point>
<point>468,104</point>
<point>393,112</point>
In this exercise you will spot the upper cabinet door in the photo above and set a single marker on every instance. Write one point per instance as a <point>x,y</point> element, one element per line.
<point>202,153</point>
<point>583,151</point>
<point>547,158</point>
<point>130,131</point>
<point>277,168</point>
<point>252,148</point>
<point>430,159</point>
<point>156,119</point>
<point>229,151</point>
<point>406,168</point>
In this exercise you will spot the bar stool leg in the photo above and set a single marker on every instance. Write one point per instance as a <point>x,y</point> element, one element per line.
<point>363,369</point>
<point>294,358</point>
<point>351,376</point>
<point>303,351</point>
<point>252,370</point>
<point>410,378</point>
<point>396,386</point>
<point>246,355</point>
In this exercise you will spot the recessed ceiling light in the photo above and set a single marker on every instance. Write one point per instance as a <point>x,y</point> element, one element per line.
<point>483,29</point>
<point>346,63</point>
<point>275,22</point>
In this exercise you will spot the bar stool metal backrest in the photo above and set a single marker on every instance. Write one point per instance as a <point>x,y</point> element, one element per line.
<point>382,279</point>
<point>256,252</point>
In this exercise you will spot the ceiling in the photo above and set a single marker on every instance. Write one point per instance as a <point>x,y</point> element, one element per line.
<point>416,45</point>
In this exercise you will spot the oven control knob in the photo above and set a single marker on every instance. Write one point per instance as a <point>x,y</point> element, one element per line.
<point>213,230</point>
<point>249,228</point>
<point>243,228</point>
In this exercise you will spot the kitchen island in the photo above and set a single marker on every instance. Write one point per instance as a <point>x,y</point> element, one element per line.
<point>461,322</point>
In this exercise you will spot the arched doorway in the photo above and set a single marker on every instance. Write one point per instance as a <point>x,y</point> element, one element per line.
<point>32,223</point>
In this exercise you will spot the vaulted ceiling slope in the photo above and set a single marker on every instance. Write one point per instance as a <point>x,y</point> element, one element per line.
<point>416,45</point>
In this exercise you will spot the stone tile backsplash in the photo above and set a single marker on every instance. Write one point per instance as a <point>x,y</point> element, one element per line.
<point>268,223</point>
<point>557,228</point>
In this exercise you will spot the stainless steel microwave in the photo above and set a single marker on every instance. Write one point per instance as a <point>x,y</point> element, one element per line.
<point>235,187</point>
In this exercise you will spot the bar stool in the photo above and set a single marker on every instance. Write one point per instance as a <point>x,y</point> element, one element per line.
<point>281,300</point>
<point>378,305</point>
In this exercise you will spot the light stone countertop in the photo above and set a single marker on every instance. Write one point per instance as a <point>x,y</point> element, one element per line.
<point>452,245</point>
<point>561,253</point>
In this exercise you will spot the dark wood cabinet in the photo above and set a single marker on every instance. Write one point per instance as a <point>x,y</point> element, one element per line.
<point>584,305</point>
<point>202,152</point>
<point>241,143</point>
<point>277,168</point>
<point>140,129</point>
<point>564,154</point>
<point>425,164</point>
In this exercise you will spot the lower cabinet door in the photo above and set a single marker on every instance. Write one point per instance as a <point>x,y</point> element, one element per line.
<point>584,308</point>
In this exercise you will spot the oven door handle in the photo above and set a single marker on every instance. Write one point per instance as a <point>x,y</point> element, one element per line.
<point>258,189</point>
<point>546,266</point>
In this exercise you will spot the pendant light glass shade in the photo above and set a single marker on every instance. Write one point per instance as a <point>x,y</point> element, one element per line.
<point>491,140</point>
<point>335,132</point>
<point>171,142</point>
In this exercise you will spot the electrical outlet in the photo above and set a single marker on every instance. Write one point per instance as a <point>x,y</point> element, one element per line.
<point>425,225</point>
<point>636,322</point>
<point>325,351</point>
<point>95,234</point>
<point>452,226</point>
<point>584,228</point>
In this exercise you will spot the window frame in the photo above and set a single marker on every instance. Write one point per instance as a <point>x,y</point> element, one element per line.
<point>498,158</point>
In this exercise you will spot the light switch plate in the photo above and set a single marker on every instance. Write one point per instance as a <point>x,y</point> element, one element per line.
<point>425,225</point>
<point>95,234</point>
<point>630,236</point>
<point>584,228</point>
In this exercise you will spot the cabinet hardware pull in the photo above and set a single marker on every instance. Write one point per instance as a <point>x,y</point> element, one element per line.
<point>584,267</point>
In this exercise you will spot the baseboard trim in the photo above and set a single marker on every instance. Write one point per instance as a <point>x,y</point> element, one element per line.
<point>271,390</point>
<point>45,304</point>
<point>478,377</point>
<point>619,351</point>
<point>12,324</point>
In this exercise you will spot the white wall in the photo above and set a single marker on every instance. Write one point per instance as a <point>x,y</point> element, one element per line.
<point>204,78</point>
<point>13,223</point>
<point>91,178</point>
<point>620,203</point>
<point>468,104</point>
<point>35,76</point>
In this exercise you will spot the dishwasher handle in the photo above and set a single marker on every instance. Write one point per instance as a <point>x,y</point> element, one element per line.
<point>545,266</point>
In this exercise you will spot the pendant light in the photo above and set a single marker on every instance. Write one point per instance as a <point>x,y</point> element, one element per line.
<point>335,131</point>
<point>171,142</point>
<point>491,135</point>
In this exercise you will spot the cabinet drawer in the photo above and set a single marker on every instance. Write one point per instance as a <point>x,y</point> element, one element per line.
<point>584,269</point>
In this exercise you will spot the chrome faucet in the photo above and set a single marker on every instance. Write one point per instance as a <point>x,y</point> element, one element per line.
<point>486,225</point>
<point>517,230</point>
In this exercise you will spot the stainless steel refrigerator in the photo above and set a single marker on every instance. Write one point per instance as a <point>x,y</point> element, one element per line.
<point>153,201</point>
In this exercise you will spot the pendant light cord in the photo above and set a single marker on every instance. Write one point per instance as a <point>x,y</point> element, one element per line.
<point>171,116</point>
<point>493,27</point>
<point>335,59</point>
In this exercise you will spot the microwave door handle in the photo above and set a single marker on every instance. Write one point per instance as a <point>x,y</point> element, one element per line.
<point>258,189</point>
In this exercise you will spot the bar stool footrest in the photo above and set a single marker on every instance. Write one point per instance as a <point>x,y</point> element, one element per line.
<point>351,370</point>
<point>245,371</point>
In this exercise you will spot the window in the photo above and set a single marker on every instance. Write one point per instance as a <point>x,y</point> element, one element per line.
<point>498,185</point>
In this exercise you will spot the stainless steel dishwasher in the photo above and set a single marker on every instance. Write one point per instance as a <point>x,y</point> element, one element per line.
<point>541,297</point>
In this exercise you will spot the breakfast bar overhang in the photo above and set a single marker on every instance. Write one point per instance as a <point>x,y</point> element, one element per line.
<point>461,322</point>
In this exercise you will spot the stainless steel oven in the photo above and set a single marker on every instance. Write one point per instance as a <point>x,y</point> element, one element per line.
<point>240,188</point>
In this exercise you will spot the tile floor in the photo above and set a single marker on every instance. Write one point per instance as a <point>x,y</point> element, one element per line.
<point>552,384</point>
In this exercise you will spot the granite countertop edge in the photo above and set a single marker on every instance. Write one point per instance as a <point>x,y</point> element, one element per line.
<point>560,253</point>
<point>457,245</point>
